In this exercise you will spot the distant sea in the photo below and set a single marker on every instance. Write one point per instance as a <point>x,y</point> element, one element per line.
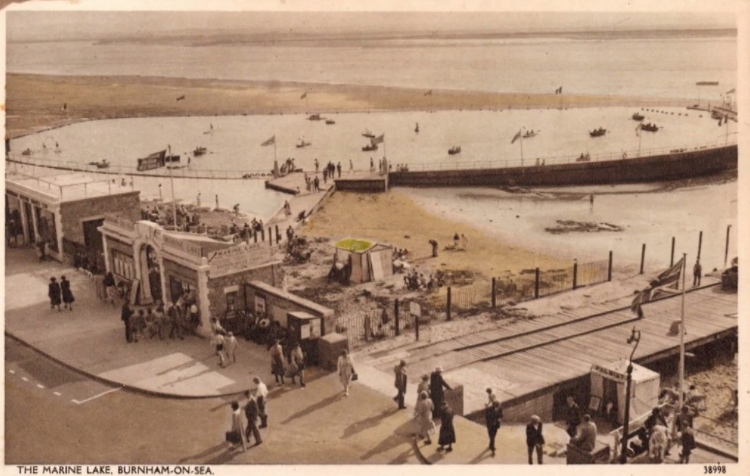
<point>648,64</point>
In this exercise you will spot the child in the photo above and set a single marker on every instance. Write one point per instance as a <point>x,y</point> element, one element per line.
<point>220,345</point>
<point>688,443</point>
<point>231,343</point>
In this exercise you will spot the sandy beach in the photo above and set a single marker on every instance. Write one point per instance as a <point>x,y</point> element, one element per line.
<point>35,102</point>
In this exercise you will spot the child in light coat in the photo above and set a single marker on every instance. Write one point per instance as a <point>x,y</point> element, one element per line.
<point>231,344</point>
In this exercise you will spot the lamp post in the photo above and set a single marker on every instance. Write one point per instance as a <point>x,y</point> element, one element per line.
<point>635,336</point>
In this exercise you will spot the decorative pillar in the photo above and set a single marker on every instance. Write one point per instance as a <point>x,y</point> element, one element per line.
<point>205,328</point>
<point>59,233</point>
<point>33,222</point>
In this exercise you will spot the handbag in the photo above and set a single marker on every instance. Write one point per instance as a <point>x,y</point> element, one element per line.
<point>355,377</point>
<point>233,437</point>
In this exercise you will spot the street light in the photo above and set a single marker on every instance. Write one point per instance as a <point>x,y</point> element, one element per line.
<point>635,336</point>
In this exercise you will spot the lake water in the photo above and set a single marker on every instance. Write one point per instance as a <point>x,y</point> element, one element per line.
<point>664,67</point>
<point>484,136</point>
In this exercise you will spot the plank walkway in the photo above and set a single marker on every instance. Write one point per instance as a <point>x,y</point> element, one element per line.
<point>528,356</point>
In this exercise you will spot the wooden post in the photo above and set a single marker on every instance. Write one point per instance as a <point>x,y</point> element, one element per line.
<point>575,274</point>
<point>494,293</point>
<point>643,256</point>
<point>270,236</point>
<point>700,243</point>
<point>416,326</point>
<point>671,256</point>
<point>278,235</point>
<point>726,249</point>
<point>609,268</point>
<point>262,235</point>
<point>536,284</point>
<point>448,306</point>
<point>395,317</point>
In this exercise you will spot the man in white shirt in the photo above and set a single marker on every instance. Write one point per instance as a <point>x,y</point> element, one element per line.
<point>261,394</point>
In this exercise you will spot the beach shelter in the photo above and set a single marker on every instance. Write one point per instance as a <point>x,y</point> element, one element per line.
<point>608,385</point>
<point>370,261</point>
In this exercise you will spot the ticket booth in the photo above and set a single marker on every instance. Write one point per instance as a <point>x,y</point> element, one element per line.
<point>305,329</point>
<point>608,387</point>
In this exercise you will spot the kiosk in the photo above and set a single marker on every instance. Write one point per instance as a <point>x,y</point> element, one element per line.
<point>608,387</point>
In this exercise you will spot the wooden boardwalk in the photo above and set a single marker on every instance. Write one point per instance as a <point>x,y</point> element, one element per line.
<point>536,355</point>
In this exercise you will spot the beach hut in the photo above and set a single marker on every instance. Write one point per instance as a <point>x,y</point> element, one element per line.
<point>370,261</point>
<point>608,386</point>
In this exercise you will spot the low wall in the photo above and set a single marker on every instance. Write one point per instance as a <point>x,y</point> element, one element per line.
<point>634,170</point>
<point>374,185</point>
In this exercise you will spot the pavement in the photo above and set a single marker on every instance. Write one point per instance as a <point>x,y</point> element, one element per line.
<point>90,340</point>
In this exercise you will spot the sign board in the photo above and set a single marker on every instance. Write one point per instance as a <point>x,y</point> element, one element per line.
<point>609,373</point>
<point>238,258</point>
<point>182,245</point>
<point>153,161</point>
<point>415,309</point>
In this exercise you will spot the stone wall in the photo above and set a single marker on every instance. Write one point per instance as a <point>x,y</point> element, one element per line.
<point>632,170</point>
<point>73,213</point>
<point>278,303</point>
<point>375,185</point>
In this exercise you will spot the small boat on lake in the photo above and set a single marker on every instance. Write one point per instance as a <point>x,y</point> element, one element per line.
<point>638,117</point>
<point>303,143</point>
<point>454,150</point>
<point>649,127</point>
<point>370,147</point>
<point>314,117</point>
<point>26,152</point>
<point>598,132</point>
<point>330,121</point>
<point>100,165</point>
<point>171,158</point>
<point>584,158</point>
<point>530,134</point>
<point>368,134</point>
<point>199,151</point>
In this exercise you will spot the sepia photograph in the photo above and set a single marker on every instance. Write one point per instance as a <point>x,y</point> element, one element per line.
<point>405,233</point>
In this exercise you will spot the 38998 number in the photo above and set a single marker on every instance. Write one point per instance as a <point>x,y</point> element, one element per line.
<point>716,469</point>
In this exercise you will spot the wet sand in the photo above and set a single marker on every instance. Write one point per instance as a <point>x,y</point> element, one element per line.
<point>35,102</point>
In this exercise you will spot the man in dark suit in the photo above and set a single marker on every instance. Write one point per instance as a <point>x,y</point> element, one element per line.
<point>572,416</point>
<point>251,413</point>
<point>436,390</point>
<point>534,439</point>
<point>400,383</point>
<point>493,417</point>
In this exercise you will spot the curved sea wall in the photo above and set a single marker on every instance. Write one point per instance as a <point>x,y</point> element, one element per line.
<point>644,169</point>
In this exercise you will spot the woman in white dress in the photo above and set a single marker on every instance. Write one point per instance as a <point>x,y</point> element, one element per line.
<point>345,368</point>
<point>423,417</point>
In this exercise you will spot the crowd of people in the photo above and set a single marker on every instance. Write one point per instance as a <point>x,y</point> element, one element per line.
<point>173,320</point>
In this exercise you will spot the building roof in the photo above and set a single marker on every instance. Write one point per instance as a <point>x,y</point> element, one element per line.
<point>63,187</point>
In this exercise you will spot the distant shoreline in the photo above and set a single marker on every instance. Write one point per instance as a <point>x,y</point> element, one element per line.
<point>41,102</point>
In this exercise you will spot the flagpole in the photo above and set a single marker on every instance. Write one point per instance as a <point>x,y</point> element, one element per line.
<point>682,334</point>
<point>174,202</point>
<point>522,147</point>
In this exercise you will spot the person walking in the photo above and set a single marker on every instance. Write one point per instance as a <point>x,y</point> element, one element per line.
<point>423,417</point>
<point>447,435</point>
<point>261,394</point>
<point>437,383</point>
<point>345,369</point>
<point>219,344</point>
<point>54,293</point>
<point>231,348</point>
<point>238,428</point>
<point>687,438</point>
<point>278,363</point>
<point>126,315</point>
<point>697,271</point>
<point>534,439</point>
<point>67,294</point>
<point>657,444</point>
<point>424,386</point>
<point>110,288</point>
<point>572,416</point>
<point>175,319</point>
<point>316,184</point>
<point>400,383</point>
<point>493,418</point>
<point>297,358</point>
<point>338,168</point>
<point>251,413</point>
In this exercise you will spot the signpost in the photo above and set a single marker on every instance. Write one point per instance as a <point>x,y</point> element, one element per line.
<point>238,258</point>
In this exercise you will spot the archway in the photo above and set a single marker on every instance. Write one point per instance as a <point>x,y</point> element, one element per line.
<point>150,275</point>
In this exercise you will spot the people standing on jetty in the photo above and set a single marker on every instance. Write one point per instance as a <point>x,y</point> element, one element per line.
<point>67,294</point>
<point>456,240</point>
<point>372,165</point>
<point>464,242</point>
<point>572,416</point>
<point>317,165</point>
<point>198,200</point>
<point>54,293</point>
<point>437,383</point>
<point>338,168</point>
<point>217,200</point>
<point>535,439</point>
<point>493,418</point>
<point>591,201</point>
<point>434,245</point>
<point>400,383</point>
<point>316,184</point>
<point>697,271</point>
<point>351,166</point>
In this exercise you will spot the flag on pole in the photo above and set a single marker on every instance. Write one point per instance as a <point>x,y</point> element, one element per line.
<point>731,91</point>
<point>378,140</point>
<point>270,141</point>
<point>668,277</point>
<point>516,137</point>
<point>181,98</point>
<point>304,95</point>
